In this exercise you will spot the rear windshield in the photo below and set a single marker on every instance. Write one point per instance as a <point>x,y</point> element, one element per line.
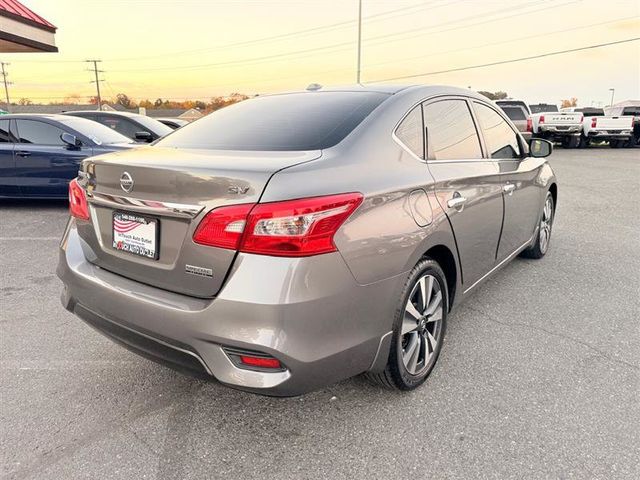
<point>297,121</point>
<point>591,112</point>
<point>514,113</point>
<point>543,107</point>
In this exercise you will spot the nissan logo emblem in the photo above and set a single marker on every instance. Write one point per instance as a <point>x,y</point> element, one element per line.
<point>126,182</point>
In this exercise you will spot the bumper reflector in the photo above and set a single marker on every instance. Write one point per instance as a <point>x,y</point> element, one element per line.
<point>260,362</point>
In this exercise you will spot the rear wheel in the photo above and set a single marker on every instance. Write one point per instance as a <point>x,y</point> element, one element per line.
<point>419,328</point>
<point>584,142</point>
<point>541,246</point>
<point>615,143</point>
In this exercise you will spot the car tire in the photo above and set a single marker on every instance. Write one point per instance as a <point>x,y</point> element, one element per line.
<point>545,226</point>
<point>415,348</point>
<point>614,143</point>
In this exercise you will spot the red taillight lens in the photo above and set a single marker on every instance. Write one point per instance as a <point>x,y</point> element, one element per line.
<point>293,228</point>
<point>594,122</point>
<point>298,228</point>
<point>260,362</point>
<point>541,118</point>
<point>223,227</point>
<point>78,206</point>
<point>529,125</point>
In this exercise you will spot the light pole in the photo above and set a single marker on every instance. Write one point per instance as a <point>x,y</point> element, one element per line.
<point>359,39</point>
<point>613,91</point>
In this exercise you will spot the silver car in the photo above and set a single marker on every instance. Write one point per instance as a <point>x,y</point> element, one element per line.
<point>290,241</point>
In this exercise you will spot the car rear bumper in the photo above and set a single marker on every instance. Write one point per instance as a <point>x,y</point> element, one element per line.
<point>624,134</point>
<point>560,130</point>
<point>309,313</point>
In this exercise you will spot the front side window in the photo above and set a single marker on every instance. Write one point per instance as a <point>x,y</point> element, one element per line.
<point>410,132</point>
<point>5,136</point>
<point>39,133</point>
<point>295,121</point>
<point>451,132</point>
<point>502,141</point>
<point>120,125</point>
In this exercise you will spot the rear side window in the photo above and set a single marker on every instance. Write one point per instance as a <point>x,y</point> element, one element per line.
<point>5,136</point>
<point>39,133</point>
<point>410,132</point>
<point>298,121</point>
<point>451,131</point>
<point>501,140</point>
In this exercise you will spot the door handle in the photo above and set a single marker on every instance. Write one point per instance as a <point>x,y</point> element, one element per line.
<point>457,202</point>
<point>508,188</point>
<point>22,153</point>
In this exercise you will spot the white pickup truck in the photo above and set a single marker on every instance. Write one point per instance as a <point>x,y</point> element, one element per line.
<point>547,122</point>
<point>628,109</point>
<point>617,130</point>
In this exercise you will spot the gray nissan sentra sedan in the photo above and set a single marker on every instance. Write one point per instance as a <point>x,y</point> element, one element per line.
<point>290,241</point>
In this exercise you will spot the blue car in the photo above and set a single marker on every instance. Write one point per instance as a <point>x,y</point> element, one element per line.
<point>40,154</point>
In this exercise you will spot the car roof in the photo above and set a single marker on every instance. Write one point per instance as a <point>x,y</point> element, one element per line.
<point>103,112</point>
<point>32,116</point>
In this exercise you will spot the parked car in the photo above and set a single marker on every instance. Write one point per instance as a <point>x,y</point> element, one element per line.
<point>173,123</point>
<point>290,241</point>
<point>139,128</point>
<point>596,126</point>
<point>548,123</point>
<point>40,154</point>
<point>543,108</point>
<point>629,108</point>
<point>511,102</point>
<point>520,118</point>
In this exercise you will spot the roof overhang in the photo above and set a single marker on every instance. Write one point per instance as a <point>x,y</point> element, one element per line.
<point>20,34</point>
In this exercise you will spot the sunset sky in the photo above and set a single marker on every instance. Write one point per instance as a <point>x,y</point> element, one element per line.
<point>192,49</point>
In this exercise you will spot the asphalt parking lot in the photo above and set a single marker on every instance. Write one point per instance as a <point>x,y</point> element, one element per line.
<point>539,376</point>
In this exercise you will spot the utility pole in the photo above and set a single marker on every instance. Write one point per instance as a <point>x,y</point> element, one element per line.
<point>6,82</point>
<point>97,80</point>
<point>359,39</point>
<point>613,91</point>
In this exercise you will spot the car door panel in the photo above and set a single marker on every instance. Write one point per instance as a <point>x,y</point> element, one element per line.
<point>8,187</point>
<point>44,169</point>
<point>518,174</point>
<point>468,187</point>
<point>522,203</point>
<point>476,224</point>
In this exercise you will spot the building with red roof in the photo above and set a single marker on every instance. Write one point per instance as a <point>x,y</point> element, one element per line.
<point>22,30</point>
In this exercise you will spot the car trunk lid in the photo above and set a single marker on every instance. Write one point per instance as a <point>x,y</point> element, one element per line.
<point>159,196</point>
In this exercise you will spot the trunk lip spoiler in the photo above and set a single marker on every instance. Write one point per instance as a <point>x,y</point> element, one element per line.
<point>156,207</point>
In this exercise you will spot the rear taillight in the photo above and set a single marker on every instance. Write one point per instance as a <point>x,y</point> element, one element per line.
<point>223,227</point>
<point>529,125</point>
<point>78,206</point>
<point>541,118</point>
<point>594,122</point>
<point>293,228</point>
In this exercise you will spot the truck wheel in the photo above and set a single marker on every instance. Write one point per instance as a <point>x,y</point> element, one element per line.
<point>584,142</point>
<point>614,143</point>
<point>565,142</point>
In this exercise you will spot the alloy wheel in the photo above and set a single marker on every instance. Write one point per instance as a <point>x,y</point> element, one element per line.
<point>422,325</point>
<point>545,224</point>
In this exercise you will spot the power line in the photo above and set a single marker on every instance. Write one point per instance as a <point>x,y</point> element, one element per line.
<point>503,42</point>
<point>296,33</point>
<point>521,59</point>
<point>349,45</point>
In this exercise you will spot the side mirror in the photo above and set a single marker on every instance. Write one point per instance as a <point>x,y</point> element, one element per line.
<point>540,148</point>
<point>144,137</point>
<point>70,140</point>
